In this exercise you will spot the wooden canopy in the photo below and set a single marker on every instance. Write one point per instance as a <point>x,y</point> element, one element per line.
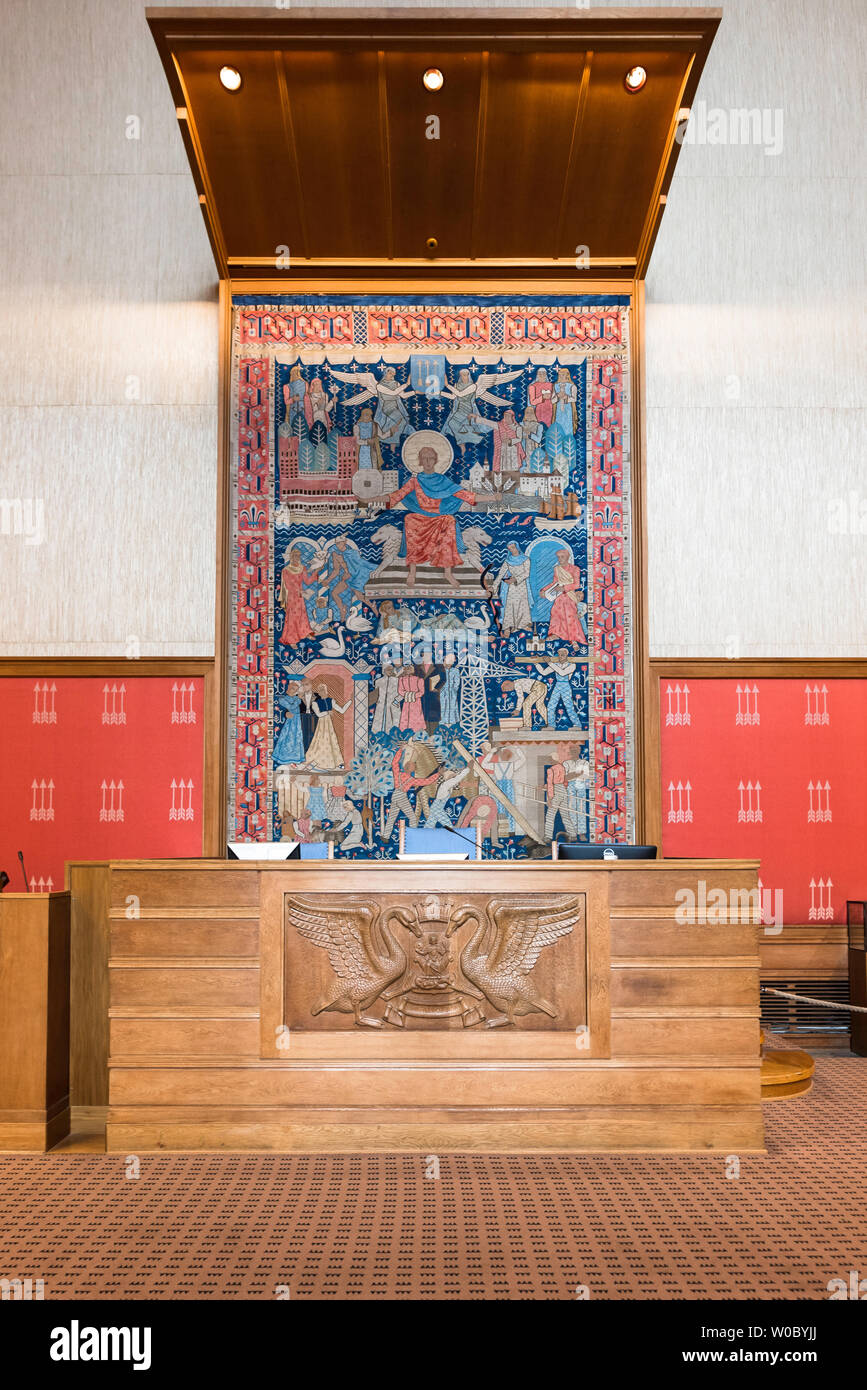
<point>325,160</point>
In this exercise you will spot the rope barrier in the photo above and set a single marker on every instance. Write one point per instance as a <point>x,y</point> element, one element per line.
<point>808,999</point>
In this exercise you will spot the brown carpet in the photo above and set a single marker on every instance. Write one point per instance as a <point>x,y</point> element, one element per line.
<point>354,1227</point>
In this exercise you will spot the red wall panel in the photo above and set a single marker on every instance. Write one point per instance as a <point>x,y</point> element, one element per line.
<point>64,741</point>
<point>771,769</point>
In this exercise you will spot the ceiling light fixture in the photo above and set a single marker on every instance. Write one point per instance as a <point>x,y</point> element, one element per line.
<point>635,79</point>
<point>230,78</point>
<point>433,79</point>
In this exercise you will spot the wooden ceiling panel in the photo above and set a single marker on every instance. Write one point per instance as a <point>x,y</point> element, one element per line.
<point>238,135</point>
<point>325,148</point>
<point>623,139</point>
<point>334,100</point>
<point>532,119</point>
<point>433,188</point>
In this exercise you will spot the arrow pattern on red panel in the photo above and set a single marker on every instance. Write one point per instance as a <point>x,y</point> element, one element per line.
<point>44,711</point>
<point>113,704</point>
<point>56,751</point>
<point>42,804</point>
<point>821,811</point>
<point>682,812</point>
<point>111,808</point>
<point>821,911</point>
<point>817,705</point>
<point>182,800</point>
<point>676,714</point>
<point>750,809</point>
<point>748,704</point>
<point>182,703</point>
<point>788,792</point>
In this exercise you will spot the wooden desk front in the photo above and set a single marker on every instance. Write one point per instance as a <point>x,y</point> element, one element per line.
<point>518,1007</point>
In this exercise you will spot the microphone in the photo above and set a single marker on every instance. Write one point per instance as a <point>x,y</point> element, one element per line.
<point>23,870</point>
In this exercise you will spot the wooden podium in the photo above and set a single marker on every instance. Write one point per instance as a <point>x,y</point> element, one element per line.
<point>498,1007</point>
<point>34,1020</point>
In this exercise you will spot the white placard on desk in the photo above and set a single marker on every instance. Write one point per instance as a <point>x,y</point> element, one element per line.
<point>261,849</point>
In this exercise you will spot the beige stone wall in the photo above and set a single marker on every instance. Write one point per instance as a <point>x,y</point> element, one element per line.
<point>108,348</point>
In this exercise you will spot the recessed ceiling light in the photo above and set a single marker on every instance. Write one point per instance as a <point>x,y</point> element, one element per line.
<point>230,78</point>
<point>433,79</point>
<point>635,79</point>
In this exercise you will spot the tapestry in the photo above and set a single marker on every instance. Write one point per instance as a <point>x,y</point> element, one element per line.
<point>431,547</point>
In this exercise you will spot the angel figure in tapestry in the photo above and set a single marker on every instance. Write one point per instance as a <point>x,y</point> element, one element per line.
<point>391,417</point>
<point>464,423</point>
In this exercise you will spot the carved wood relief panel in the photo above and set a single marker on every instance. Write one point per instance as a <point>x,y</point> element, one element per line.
<point>435,961</point>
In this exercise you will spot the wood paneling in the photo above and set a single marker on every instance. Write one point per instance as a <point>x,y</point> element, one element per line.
<point>718,1129</point>
<point>663,986</point>
<point>191,887</point>
<point>196,1062</point>
<point>144,985</point>
<point>664,937</point>
<point>497,1085</point>
<point>183,937</point>
<point>88,886</point>
<point>34,1020</point>
<point>642,887</point>
<point>186,1037</point>
<point>698,1037</point>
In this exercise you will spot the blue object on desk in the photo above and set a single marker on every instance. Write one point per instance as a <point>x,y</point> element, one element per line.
<point>314,851</point>
<point>439,842</point>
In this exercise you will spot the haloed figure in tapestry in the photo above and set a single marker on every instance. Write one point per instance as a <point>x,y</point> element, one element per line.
<point>431,535</point>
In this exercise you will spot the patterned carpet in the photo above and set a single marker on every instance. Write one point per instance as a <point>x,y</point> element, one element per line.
<point>353,1227</point>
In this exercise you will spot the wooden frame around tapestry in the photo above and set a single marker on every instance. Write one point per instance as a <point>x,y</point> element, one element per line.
<point>489,285</point>
<point>97,667</point>
<point>719,668</point>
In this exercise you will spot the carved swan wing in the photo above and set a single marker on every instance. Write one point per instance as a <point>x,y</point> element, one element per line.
<point>525,928</point>
<point>343,930</point>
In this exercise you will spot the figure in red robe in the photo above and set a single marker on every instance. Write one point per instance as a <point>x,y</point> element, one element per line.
<point>567,608</point>
<point>541,397</point>
<point>430,532</point>
<point>508,449</point>
<point>296,624</point>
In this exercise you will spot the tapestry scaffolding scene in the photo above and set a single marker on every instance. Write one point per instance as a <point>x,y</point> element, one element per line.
<point>431,551</point>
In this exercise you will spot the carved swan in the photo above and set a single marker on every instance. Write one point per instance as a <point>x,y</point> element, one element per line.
<point>503,972</point>
<point>364,953</point>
